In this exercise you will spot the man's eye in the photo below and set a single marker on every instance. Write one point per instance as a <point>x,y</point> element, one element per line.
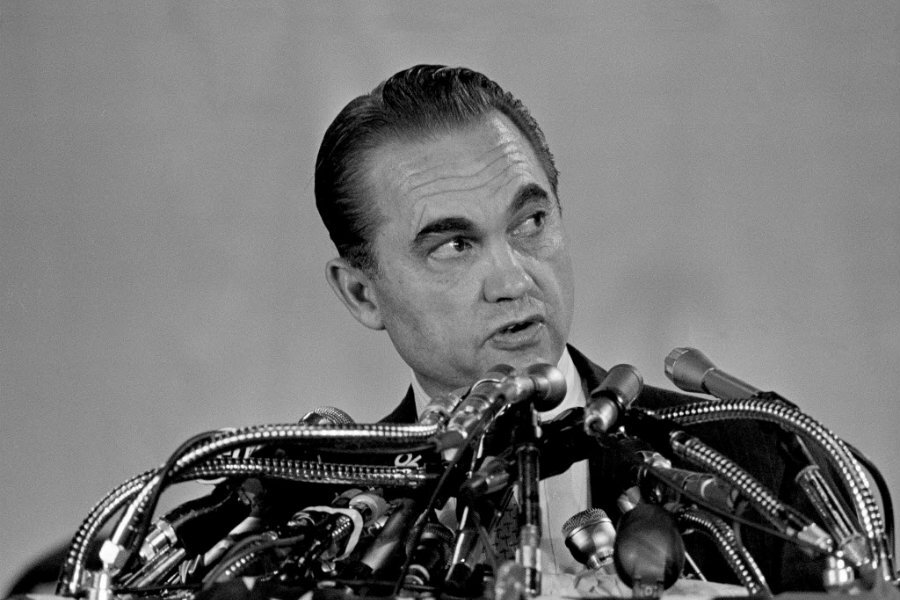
<point>532,224</point>
<point>451,248</point>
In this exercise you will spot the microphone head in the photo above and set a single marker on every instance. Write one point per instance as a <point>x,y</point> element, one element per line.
<point>590,537</point>
<point>326,415</point>
<point>370,505</point>
<point>495,375</point>
<point>549,386</point>
<point>623,383</point>
<point>649,551</point>
<point>431,556</point>
<point>687,368</point>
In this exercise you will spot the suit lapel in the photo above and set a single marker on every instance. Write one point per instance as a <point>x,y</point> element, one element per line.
<point>405,412</point>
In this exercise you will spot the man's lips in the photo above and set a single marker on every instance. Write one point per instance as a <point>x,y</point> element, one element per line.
<point>517,332</point>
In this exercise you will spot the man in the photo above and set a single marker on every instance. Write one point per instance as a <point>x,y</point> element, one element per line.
<point>440,193</point>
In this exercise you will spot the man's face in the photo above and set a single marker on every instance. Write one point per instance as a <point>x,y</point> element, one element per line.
<point>473,268</point>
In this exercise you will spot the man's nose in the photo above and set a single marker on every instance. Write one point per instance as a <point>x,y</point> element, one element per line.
<point>506,279</point>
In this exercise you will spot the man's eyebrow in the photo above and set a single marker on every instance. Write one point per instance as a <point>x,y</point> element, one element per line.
<point>449,224</point>
<point>529,193</point>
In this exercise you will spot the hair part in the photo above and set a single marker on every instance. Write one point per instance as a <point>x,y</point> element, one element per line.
<point>417,102</point>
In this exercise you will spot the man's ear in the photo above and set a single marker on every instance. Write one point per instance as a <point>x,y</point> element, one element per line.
<point>354,288</point>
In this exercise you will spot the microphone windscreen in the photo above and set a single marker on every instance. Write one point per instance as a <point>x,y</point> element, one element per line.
<point>326,415</point>
<point>590,536</point>
<point>549,386</point>
<point>649,551</point>
<point>686,368</point>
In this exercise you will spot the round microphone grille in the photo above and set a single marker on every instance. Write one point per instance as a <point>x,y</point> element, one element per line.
<point>327,415</point>
<point>585,518</point>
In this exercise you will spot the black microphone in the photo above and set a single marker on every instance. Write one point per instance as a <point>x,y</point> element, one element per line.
<point>590,537</point>
<point>190,530</point>
<point>648,551</point>
<point>197,524</point>
<point>494,474</point>
<point>692,371</point>
<point>430,556</point>
<point>333,531</point>
<point>620,388</point>
<point>386,552</point>
<point>705,486</point>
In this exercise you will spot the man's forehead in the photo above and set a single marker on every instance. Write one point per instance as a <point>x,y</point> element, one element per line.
<point>463,152</point>
<point>447,171</point>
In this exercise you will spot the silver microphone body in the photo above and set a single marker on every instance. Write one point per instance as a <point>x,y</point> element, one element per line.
<point>692,371</point>
<point>620,388</point>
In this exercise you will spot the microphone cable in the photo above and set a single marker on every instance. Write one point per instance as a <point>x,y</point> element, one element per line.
<point>699,500</point>
<point>430,506</point>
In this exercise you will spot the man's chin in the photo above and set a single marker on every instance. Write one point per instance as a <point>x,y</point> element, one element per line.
<point>521,360</point>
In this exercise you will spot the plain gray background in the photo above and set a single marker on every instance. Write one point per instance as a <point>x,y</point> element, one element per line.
<point>730,176</point>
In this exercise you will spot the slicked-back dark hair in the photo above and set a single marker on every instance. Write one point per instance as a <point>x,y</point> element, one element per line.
<point>411,105</point>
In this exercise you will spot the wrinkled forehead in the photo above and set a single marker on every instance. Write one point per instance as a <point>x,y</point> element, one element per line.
<point>487,159</point>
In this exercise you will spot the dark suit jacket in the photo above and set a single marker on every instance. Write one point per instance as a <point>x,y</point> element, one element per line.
<point>757,447</point>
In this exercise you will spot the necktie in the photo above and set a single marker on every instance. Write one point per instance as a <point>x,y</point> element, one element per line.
<point>506,529</point>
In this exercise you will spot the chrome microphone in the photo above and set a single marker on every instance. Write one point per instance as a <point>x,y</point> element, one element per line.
<point>590,537</point>
<point>441,408</point>
<point>541,384</point>
<point>474,408</point>
<point>692,371</point>
<point>326,415</point>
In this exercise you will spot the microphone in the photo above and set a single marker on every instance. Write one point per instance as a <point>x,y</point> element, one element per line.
<point>197,524</point>
<point>217,533</point>
<point>440,409</point>
<point>326,415</point>
<point>492,476</point>
<point>335,530</point>
<point>708,487</point>
<point>470,412</point>
<point>590,537</point>
<point>648,552</point>
<point>386,552</point>
<point>541,384</point>
<point>692,371</point>
<point>620,388</point>
<point>431,556</point>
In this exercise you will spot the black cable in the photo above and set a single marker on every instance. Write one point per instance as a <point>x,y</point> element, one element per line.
<point>143,527</point>
<point>245,548</point>
<point>431,505</point>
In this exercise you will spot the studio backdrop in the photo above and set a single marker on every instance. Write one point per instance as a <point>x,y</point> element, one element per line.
<point>729,178</point>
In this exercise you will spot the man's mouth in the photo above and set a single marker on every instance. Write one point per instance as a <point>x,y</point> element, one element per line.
<point>519,326</point>
<point>517,333</point>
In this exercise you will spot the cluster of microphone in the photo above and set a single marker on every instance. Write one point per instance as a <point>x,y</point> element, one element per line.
<point>483,447</point>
